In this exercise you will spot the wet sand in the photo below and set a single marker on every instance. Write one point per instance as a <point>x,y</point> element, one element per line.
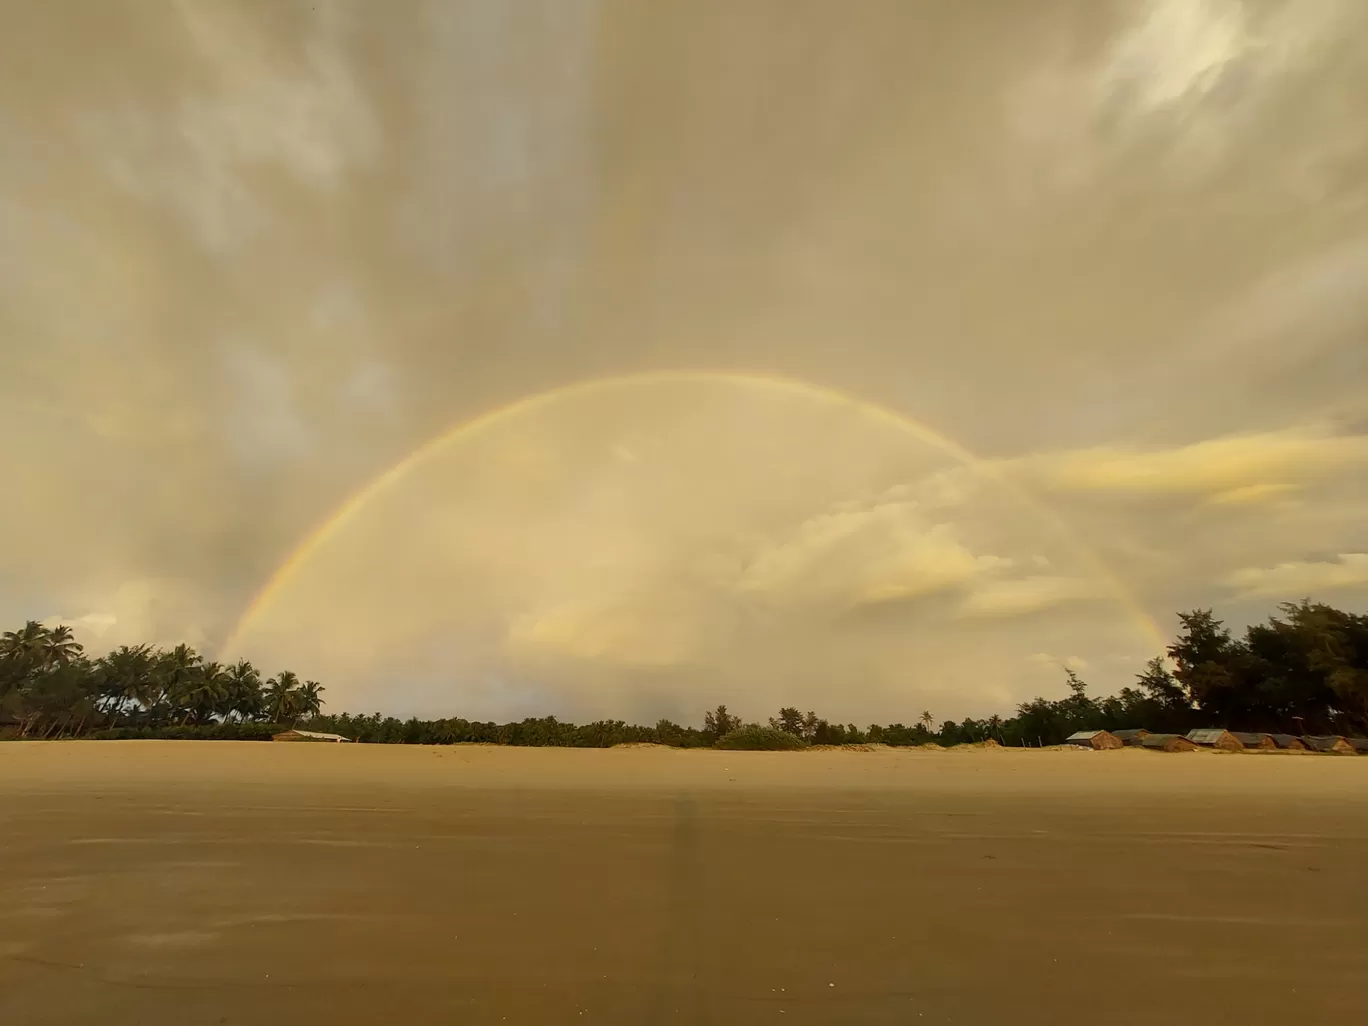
<point>211,882</point>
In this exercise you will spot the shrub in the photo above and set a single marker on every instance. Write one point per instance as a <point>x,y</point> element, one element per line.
<point>206,732</point>
<point>755,738</point>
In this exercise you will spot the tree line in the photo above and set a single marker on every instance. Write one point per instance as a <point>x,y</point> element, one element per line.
<point>50,688</point>
<point>1302,672</point>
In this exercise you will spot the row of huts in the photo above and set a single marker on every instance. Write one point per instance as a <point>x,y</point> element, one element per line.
<point>1217,737</point>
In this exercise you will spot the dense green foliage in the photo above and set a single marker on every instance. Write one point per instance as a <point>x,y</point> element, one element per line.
<point>756,738</point>
<point>544,732</point>
<point>230,731</point>
<point>1303,672</point>
<point>50,688</point>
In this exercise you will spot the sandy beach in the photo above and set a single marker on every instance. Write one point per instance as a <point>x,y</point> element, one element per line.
<point>202,882</point>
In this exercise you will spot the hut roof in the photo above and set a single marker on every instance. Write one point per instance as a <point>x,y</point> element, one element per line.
<point>1131,732</point>
<point>1097,739</point>
<point>307,735</point>
<point>1326,743</point>
<point>1209,735</point>
<point>1287,741</point>
<point>1249,738</point>
<point>1360,744</point>
<point>1164,742</point>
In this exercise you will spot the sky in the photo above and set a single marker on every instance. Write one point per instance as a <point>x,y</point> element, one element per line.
<point>611,359</point>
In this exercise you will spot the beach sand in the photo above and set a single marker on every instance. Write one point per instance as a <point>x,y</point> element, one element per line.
<point>216,883</point>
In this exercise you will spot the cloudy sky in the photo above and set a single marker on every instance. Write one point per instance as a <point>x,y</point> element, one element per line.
<point>870,357</point>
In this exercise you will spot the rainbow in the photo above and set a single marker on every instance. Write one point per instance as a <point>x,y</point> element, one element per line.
<point>336,521</point>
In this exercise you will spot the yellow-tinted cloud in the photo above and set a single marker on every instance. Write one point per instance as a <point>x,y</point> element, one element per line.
<point>1253,495</point>
<point>1073,662</point>
<point>1294,580</point>
<point>626,633</point>
<point>1020,596</point>
<point>861,557</point>
<point>1242,467</point>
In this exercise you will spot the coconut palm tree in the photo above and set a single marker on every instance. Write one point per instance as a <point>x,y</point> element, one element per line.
<point>242,691</point>
<point>125,676</point>
<point>204,694</point>
<point>177,678</point>
<point>280,699</point>
<point>24,643</point>
<point>310,698</point>
<point>59,647</point>
<point>927,720</point>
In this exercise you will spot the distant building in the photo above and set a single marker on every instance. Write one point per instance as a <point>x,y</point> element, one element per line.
<point>1290,742</point>
<point>307,735</point>
<point>1359,744</point>
<point>1254,740</point>
<point>1215,737</point>
<point>1097,739</point>
<point>1167,743</point>
<point>1328,743</point>
<point>1131,735</point>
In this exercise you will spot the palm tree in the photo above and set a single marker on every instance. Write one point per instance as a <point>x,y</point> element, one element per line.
<point>24,643</point>
<point>242,691</point>
<point>59,647</point>
<point>310,698</point>
<point>177,679</point>
<point>279,699</point>
<point>927,719</point>
<point>125,676</point>
<point>995,726</point>
<point>204,694</point>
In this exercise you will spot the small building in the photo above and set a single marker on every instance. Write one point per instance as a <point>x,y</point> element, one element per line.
<point>1095,739</point>
<point>1288,742</point>
<point>1359,744</point>
<point>1252,739</point>
<point>307,735</point>
<point>1328,743</point>
<point>1215,737</point>
<point>1167,743</point>
<point>1131,735</point>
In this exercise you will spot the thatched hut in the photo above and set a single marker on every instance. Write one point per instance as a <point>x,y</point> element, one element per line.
<point>1359,744</point>
<point>1328,743</point>
<point>1215,737</point>
<point>1131,735</point>
<point>1251,739</point>
<point>307,735</point>
<point>1096,739</point>
<point>1288,742</point>
<point>1167,743</point>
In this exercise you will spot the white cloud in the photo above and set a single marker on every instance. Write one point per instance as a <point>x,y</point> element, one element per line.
<point>256,105</point>
<point>264,421</point>
<point>1080,115</point>
<point>160,611</point>
<point>864,556</point>
<point>1020,596</point>
<point>374,385</point>
<point>1177,51</point>
<point>1294,580</point>
<point>621,633</point>
<point>1071,662</point>
<point>97,624</point>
